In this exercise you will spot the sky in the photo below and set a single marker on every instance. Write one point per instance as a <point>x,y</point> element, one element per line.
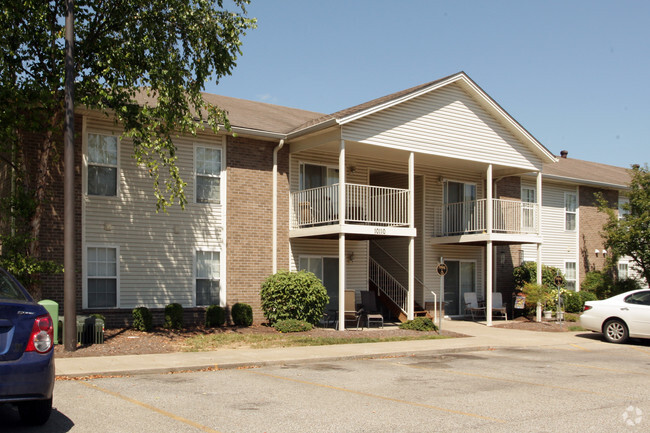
<point>575,74</point>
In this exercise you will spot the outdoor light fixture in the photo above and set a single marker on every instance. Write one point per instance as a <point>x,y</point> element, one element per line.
<point>604,253</point>
<point>350,258</point>
<point>597,252</point>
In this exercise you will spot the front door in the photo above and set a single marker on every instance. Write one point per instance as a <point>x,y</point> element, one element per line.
<point>460,278</point>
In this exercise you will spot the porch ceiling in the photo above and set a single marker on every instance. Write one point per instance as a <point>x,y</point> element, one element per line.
<point>397,156</point>
<point>481,239</point>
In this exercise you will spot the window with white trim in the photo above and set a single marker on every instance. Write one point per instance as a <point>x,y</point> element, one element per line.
<point>570,275</point>
<point>623,209</point>
<point>208,278</point>
<point>102,164</point>
<point>207,174</point>
<point>623,270</point>
<point>102,270</point>
<point>528,198</point>
<point>570,211</point>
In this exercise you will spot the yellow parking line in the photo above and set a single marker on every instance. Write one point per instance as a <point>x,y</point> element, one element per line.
<point>501,379</point>
<point>380,397</point>
<point>580,347</point>
<point>151,408</point>
<point>613,370</point>
<point>647,352</point>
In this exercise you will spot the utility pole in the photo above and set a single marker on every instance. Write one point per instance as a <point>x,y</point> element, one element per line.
<point>69,292</point>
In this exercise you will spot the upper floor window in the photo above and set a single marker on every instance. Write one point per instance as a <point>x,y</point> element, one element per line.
<point>570,210</point>
<point>207,167</point>
<point>623,207</point>
<point>102,165</point>
<point>623,271</point>
<point>314,176</point>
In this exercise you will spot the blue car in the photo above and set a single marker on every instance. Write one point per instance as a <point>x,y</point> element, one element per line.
<point>26,352</point>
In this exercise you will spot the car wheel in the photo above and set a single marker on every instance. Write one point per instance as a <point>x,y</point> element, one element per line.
<point>35,412</point>
<point>615,331</point>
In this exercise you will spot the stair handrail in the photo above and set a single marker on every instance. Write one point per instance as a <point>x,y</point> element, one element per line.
<point>397,262</point>
<point>388,285</point>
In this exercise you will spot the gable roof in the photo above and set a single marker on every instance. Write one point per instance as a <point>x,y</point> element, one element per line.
<point>587,172</point>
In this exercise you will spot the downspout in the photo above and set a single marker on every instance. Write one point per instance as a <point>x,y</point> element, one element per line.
<point>275,206</point>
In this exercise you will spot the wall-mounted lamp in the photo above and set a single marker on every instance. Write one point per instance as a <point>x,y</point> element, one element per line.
<point>604,253</point>
<point>108,227</point>
<point>597,252</point>
<point>353,169</point>
<point>349,258</point>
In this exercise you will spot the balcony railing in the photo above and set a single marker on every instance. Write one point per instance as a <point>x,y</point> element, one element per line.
<point>365,204</point>
<point>508,216</point>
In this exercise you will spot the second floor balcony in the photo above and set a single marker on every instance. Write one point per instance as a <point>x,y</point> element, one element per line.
<point>511,219</point>
<point>368,210</point>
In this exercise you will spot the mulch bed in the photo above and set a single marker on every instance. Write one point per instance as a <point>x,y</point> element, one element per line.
<point>128,341</point>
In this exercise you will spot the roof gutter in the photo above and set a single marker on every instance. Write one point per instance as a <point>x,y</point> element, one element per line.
<point>275,206</point>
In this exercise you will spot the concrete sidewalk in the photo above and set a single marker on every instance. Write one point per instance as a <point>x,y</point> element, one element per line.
<point>479,337</point>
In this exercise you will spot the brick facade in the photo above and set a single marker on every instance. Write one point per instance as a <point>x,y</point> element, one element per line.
<point>249,218</point>
<point>591,225</point>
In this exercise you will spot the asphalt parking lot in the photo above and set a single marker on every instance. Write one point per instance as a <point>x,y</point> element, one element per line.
<point>590,386</point>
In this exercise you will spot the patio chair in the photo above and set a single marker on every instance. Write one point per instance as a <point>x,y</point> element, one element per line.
<point>351,314</point>
<point>472,305</point>
<point>369,308</point>
<point>498,307</point>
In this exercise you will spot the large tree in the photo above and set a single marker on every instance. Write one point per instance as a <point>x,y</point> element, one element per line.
<point>164,49</point>
<point>629,234</point>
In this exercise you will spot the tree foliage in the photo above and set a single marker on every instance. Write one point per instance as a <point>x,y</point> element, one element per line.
<point>630,235</point>
<point>527,273</point>
<point>143,63</point>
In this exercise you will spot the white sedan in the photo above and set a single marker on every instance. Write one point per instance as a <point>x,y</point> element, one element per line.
<point>619,317</point>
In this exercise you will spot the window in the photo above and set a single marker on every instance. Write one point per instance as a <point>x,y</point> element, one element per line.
<point>208,278</point>
<point>102,277</point>
<point>623,207</point>
<point>623,271</point>
<point>102,165</point>
<point>570,275</point>
<point>207,166</point>
<point>314,176</point>
<point>570,211</point>
<point>313,265</point>
<point>528,198</point>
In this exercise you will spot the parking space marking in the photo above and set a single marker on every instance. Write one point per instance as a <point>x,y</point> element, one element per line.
<point>502,379</point>
<point>150,407</point>
<point>613,370</point>
<point>581,348</point>
<point>380,397</point>
<point>638,349</point>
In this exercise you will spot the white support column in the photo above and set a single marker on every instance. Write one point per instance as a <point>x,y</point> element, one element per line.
<point>539,226</point>
<point>342,236</point>
<point>411,265</point>
<point>488,248</point>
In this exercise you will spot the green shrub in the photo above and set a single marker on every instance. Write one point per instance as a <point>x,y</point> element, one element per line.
<point>174,316</point>
<point>293,295</point>
<point>573,303</point>
<point>292,325</point>
<point>527,273</point>
<point>142,319</point>
<point>603,285</point>
<point>99,316</point>
<point>419,324</point>
<point>242,314</point>
<point>215,315</point>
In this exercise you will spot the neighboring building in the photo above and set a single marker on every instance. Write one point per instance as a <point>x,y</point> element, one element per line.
<point>571,222</point>
<point>435,173</point>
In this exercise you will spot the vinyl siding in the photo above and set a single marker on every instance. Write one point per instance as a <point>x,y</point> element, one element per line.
<point>559,245</point>
<point>446,122</point>
<point>156,249</point>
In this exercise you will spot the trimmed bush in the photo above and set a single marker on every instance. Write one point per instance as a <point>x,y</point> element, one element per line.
<point>292,325</point>
<point>215,316</point>
<point>419,324</point>
<point>293,295</point>
<point>174,316</point>
<point>142,319</point>
<point>99,316</point>
<point>242,314</point>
